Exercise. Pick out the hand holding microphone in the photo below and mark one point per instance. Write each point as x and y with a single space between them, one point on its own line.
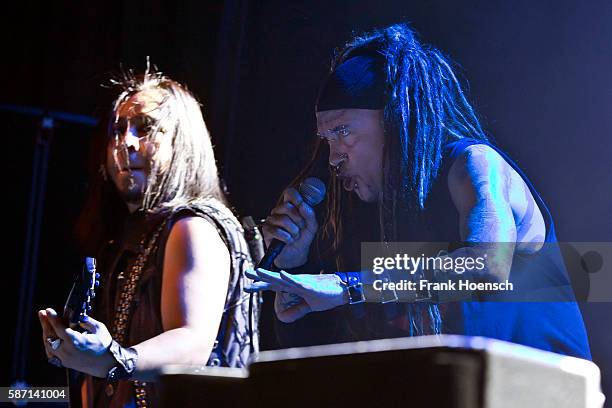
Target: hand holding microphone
292 226
289 232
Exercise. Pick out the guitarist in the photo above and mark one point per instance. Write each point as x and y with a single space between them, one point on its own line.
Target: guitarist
170 253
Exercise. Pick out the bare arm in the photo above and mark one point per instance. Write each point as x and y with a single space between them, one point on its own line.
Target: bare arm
479 184
194 286
195 280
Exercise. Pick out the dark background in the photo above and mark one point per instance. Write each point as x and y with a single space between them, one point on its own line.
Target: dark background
539 74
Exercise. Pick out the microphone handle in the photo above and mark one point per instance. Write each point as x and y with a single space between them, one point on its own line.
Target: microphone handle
275 248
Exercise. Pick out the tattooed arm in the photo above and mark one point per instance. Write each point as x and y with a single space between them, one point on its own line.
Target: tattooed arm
480 186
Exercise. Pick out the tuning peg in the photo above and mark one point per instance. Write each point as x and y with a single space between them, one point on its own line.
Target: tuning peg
97 283
92 293
89 308
97 276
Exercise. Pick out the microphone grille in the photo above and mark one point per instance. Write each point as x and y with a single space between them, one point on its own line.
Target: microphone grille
313 191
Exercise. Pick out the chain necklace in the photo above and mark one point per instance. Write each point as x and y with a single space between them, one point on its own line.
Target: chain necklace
126 301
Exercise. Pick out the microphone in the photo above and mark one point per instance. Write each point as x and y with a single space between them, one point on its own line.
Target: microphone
313 191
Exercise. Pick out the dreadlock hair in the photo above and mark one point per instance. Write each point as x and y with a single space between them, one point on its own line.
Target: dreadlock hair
425 109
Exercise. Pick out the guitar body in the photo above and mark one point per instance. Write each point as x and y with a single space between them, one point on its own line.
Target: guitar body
77 307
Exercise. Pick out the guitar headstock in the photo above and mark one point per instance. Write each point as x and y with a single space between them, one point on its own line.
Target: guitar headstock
83 291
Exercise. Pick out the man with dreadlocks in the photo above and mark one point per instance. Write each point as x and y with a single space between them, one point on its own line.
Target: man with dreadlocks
398 132
171 253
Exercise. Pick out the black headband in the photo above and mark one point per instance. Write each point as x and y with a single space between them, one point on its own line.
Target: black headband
357 83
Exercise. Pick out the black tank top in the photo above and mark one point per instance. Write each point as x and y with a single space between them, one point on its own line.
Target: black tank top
555 326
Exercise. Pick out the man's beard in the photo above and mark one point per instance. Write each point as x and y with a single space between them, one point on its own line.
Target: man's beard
133 190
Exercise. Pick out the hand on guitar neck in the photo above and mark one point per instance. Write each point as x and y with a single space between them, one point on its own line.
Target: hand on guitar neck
76 340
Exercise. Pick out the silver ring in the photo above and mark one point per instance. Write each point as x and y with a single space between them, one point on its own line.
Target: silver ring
54 343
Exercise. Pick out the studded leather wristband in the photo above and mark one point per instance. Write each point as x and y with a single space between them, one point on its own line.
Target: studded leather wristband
126 362
353 286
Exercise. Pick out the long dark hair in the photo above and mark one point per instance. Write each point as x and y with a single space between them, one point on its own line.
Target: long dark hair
189 176
425 109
